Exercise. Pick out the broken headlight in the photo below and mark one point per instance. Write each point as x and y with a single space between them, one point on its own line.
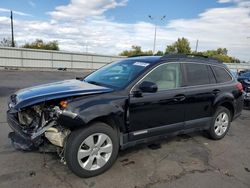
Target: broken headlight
27 116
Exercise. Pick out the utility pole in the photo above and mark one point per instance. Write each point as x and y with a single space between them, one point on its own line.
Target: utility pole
248 38
155 22
196 47
12 32
86 46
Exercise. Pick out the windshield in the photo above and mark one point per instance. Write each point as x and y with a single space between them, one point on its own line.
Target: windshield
118 74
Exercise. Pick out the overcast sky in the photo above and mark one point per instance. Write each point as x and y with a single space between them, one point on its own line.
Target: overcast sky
111 26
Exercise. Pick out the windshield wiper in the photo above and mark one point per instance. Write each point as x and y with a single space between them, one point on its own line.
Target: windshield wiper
80 78
94 82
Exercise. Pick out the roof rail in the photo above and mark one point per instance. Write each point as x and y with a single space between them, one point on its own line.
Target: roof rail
190 55
177 55
139 55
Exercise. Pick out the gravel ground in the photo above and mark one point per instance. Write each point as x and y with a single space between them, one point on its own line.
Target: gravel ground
184 161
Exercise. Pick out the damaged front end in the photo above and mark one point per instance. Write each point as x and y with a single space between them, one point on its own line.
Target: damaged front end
42 116
36 126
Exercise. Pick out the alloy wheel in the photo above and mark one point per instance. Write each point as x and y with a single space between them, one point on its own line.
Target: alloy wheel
95 151
221 124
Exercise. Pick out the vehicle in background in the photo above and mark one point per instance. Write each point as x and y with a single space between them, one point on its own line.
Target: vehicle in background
246 93
243 71
244 76
244 79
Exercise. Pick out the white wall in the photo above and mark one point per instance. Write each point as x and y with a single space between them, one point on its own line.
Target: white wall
32 58
238 66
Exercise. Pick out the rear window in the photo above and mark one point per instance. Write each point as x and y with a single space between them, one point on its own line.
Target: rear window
221 74
197 74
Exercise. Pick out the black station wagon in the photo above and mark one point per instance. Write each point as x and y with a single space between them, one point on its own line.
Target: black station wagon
128 102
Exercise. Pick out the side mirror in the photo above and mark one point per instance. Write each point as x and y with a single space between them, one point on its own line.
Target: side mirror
148 87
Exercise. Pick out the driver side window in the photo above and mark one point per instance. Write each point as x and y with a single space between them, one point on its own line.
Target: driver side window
166 76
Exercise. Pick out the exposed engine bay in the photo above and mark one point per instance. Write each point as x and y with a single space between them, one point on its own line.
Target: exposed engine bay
40 126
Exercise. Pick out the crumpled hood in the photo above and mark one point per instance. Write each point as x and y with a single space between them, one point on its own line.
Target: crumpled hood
56 90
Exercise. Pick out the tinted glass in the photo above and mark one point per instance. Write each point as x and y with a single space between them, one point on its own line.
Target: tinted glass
211 75
117 74
166 76
221 74
197 74
234 73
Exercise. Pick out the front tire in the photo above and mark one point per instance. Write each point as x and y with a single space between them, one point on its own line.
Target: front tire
220 123
92 150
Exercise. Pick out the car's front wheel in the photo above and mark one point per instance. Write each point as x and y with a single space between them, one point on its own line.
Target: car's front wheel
92 150
220 123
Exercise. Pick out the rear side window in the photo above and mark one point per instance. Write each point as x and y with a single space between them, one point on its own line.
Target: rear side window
221 74
197 74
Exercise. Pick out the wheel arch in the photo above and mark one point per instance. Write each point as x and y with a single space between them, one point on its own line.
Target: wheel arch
228 105
78 122
227 101
111 121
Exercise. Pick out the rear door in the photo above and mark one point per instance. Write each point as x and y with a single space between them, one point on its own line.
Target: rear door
200 90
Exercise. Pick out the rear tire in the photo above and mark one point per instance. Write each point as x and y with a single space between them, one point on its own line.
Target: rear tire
220 123
92 150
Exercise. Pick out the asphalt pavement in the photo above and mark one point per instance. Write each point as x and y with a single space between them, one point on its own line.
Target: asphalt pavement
190 160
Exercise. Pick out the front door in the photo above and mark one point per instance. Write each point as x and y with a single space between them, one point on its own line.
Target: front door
151 114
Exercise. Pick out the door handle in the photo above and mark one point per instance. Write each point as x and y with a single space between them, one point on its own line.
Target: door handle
216 91
179 98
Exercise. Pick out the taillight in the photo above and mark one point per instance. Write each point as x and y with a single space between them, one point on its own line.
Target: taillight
239 87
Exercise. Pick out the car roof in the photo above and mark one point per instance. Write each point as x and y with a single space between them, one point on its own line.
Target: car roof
148 59
177 57
191 57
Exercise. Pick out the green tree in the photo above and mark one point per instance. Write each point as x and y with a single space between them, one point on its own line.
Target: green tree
170 49
222 51
7 42
40 44
160 53
135 51
182 46
219 54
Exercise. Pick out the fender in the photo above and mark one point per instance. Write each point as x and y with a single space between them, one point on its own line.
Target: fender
225 98
81 112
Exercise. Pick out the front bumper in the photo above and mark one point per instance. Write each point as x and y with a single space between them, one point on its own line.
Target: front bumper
20 139
15 126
